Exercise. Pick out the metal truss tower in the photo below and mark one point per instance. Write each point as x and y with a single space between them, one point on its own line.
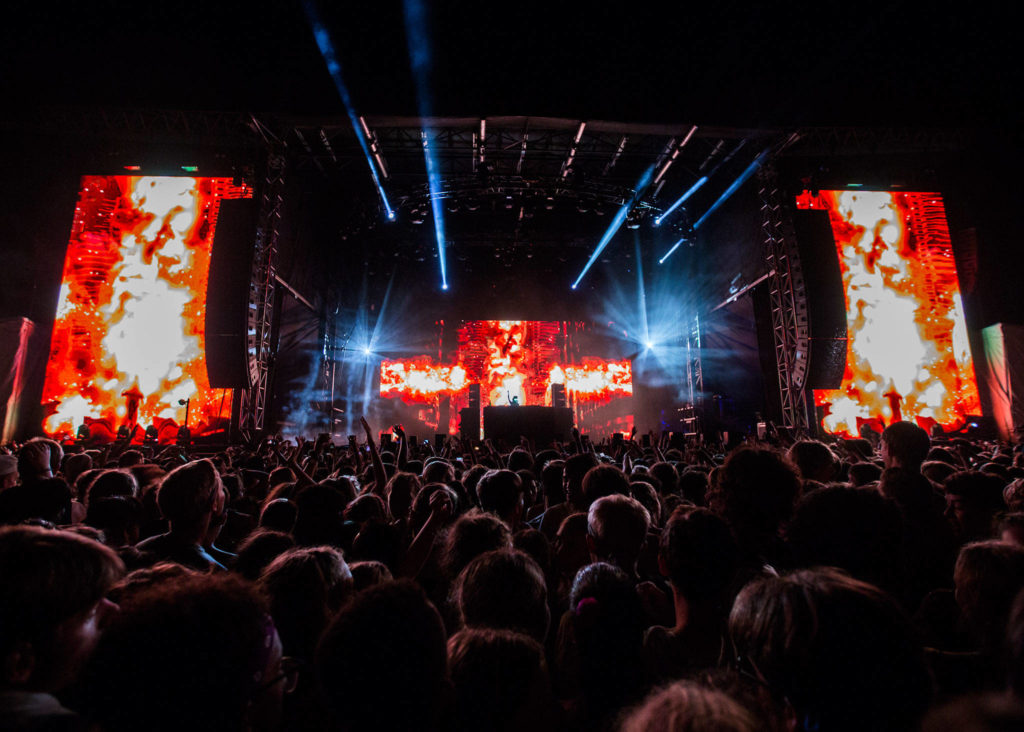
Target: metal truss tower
787 299
260 342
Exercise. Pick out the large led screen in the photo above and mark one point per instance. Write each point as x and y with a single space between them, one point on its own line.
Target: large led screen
510 360
128 347
908 355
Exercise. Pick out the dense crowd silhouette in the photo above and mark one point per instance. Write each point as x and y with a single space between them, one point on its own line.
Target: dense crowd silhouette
869 584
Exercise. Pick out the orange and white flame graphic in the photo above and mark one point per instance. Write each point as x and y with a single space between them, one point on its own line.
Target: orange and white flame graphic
513 364
908 356
130 319
419 379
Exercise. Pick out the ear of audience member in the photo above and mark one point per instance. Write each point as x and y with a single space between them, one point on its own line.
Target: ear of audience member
504 589
305 587
500 681
52 611
382 662
685 706
839 650
192 652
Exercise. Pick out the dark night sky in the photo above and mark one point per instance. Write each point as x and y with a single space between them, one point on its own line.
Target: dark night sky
722 62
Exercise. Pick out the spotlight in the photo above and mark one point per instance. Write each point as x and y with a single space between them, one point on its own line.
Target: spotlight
391 215
649 344
367 351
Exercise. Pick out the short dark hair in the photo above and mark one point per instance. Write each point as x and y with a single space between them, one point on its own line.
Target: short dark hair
700 554
504 589
186 493
390 637
908 443
183 653
791 631
48 576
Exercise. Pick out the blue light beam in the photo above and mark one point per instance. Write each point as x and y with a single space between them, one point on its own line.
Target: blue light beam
323 42
682 199
416 31
744 177
672 250
616 223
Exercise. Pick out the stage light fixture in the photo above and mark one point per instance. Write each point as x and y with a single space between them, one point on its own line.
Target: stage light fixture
681 200
367 351
326 46
672 250
617 222
743 178
649 344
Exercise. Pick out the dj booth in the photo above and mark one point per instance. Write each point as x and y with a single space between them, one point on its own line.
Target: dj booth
540 424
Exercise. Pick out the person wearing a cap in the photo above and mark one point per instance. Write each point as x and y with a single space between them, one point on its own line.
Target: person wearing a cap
8 472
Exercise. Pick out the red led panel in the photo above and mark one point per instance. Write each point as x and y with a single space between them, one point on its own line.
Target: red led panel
129 341
908 355
508 358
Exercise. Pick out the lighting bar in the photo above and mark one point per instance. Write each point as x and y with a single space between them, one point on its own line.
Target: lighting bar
675 154
672 250
416 27
616 223
374 147
572 150
744 177
323 42
682 199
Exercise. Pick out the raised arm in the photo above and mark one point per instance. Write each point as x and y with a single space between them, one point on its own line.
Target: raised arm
380 477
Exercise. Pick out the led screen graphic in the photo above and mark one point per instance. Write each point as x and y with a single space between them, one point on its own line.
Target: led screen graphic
908 355
129 338
509 359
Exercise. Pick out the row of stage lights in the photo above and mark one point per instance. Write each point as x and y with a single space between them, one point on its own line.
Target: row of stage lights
415 13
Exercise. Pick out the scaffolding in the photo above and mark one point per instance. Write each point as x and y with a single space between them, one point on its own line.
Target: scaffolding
260 342
788 301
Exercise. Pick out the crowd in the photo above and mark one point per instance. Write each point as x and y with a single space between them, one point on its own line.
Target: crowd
294 585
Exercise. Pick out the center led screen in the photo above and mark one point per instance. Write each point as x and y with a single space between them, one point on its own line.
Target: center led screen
510 360
128 346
